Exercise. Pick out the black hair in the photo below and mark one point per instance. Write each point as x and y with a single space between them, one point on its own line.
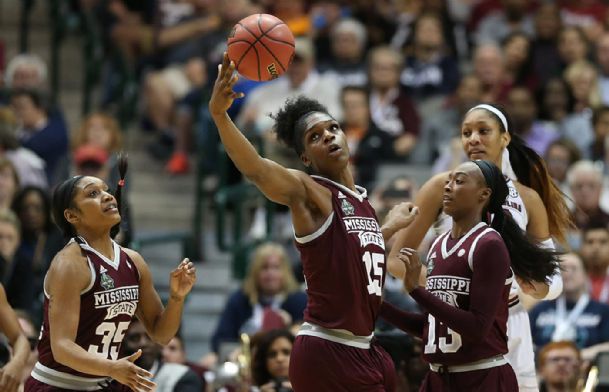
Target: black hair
39 100
260 372
63 198
598 113
595 223
46 204
531 171
528 261
354 88
541 98
289 114
526 68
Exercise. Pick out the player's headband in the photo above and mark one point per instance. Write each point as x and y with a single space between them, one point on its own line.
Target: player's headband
493 110
487 171
306 122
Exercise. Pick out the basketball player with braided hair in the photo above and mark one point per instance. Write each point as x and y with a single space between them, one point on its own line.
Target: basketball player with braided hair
93 289
468 283
534 202
341 243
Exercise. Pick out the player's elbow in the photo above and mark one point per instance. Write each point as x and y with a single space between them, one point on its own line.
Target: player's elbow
60 351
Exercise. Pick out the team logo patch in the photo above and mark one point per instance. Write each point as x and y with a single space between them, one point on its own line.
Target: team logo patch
430 263
461 252
105 280
341 195
513 193
347 207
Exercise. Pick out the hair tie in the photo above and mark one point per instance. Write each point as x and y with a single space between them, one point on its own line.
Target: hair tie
121 182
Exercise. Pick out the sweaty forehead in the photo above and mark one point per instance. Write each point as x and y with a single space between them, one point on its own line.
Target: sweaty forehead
479 115
89 181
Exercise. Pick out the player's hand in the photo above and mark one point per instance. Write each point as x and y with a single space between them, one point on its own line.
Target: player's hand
182 279
223 95
399 217
131 375
537 290
10 377
411 261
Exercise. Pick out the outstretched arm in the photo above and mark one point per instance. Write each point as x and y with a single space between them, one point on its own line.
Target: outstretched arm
491 266
10 374
279 184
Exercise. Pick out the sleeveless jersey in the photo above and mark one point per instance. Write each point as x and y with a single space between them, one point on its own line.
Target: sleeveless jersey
106 309
515 206
450 264
344 264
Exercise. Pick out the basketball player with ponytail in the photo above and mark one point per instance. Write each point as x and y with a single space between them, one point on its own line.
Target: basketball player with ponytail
468 283
92 290
534 202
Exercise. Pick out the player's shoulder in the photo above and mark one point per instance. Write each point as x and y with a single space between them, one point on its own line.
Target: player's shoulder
135 257
529 196
71 253
487 236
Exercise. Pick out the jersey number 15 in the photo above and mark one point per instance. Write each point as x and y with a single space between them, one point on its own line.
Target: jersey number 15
374 272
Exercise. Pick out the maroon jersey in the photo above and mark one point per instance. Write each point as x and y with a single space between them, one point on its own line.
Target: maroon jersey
106 309
470 273
344 264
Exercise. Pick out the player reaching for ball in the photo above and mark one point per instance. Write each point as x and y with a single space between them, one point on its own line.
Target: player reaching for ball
469 277
339 238
92 290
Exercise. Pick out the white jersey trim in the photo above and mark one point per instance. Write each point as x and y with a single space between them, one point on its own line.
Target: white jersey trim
308 238
363 193
59 379
335 335
470 256
117 253
446 254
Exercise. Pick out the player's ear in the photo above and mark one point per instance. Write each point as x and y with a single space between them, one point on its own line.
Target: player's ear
305 160
70 216
485 194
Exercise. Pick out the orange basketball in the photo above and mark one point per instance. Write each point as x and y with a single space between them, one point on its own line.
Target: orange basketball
262 47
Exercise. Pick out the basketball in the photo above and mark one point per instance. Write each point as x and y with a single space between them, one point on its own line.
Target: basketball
261 46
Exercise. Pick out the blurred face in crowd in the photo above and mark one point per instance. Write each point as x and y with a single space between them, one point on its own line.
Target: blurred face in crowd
355 108
385 69
9 240
595 249
516 51
98 133
560 368
8 186
601 126
299 70
515 9
582 83
522 109
28 115
32 213
586 189
488 64
557 160
572 45
136 338
555 97
547 21
469 91
270 277
346 46
573 274
173 352
278 358
602 53
428 34
26 76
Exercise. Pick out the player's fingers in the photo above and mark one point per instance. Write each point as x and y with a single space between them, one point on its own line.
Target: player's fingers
414 211
235 95
145 384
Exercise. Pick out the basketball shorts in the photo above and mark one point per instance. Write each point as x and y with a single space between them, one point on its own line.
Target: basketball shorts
520 349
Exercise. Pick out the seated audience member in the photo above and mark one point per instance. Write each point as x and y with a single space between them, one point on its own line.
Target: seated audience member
9 183
19 287
600 145
31 169
175 352
595 254
40 242
44 134
560 155
31 333
558 365
269 298
573 316
26 70
169 377
271 361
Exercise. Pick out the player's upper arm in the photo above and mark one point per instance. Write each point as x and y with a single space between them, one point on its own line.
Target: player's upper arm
149 306
281 185
538 227
68 277
9 325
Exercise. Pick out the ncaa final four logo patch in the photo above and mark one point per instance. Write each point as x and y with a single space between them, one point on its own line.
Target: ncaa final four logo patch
347 208
105 280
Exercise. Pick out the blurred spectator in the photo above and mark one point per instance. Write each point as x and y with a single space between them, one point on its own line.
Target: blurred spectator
589 15
582 78
9 183
546 60
392 110
602 61
29 166
271 361
600 145
489 66
169 377
572 45
45 135
556 101
522 109
560 155
31 333
269 298
519 70
595 254
347 64
368 146
559 367
440 139
497 25
40 242
586 184
430 70
175 352
18 288
26 71
325 14
573 316
293 13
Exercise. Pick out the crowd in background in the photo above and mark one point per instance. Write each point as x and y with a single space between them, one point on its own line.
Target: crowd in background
398 74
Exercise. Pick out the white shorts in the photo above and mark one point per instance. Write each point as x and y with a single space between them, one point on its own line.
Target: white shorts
520 349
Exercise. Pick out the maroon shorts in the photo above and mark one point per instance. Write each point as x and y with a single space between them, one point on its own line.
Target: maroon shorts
320 365
33 385
497 379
